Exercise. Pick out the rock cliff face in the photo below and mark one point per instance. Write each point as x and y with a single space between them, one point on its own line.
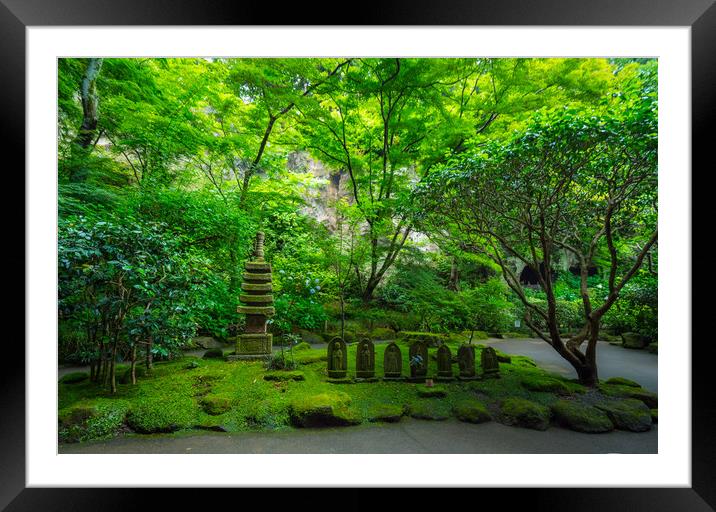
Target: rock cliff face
331 185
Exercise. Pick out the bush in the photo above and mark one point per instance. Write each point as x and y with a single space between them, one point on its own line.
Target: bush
74 377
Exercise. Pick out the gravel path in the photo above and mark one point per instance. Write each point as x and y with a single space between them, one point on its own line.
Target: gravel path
408 436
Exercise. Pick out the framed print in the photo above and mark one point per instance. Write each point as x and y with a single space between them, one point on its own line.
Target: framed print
214 46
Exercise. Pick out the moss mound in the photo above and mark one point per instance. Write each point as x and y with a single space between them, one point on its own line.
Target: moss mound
431 392
214 353
74 377
650 399
630 414
428 411
385 413
471 411
621 381
302 346
523 413
581 417
215 405
285 376
126 377
323 410
155 417
654 415
97 420
545 384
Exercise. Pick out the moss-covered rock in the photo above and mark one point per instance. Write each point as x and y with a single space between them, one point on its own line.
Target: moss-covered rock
618 391
215 405
621 381
323 410
214 353
431 392
74 377
523 413
388 413
544 384
285 375
428 411
654 415
300 347
629 414
581 417
471 411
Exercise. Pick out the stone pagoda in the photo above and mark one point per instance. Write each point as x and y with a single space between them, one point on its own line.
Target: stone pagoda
257 305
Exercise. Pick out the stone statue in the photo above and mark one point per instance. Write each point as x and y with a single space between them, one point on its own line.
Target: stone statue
392 362
365 359
444 362
466 362
337 358
489 363
418 354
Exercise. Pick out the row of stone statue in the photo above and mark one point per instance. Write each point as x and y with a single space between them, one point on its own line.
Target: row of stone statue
418 361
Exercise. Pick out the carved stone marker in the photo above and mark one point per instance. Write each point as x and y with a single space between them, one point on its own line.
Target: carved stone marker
337 358
392 362
418 355
444 362
365 359
255 342
489 363
466 362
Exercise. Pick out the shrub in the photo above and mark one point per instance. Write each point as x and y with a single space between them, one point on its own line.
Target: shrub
74 377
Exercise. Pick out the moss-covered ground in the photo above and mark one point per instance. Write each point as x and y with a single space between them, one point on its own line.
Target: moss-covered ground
212 394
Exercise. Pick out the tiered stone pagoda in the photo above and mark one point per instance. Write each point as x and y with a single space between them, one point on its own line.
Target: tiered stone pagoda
257 305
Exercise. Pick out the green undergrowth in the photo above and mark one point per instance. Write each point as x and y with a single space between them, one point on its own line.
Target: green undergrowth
212 394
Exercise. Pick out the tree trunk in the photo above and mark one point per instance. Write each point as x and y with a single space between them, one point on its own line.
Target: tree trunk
149 362
587 374
90 117
343 318
134 364
454 283
113 368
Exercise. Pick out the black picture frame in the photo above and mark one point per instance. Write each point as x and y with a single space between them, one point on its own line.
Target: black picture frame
700 15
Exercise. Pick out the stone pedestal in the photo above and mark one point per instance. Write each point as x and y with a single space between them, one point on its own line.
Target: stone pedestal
257 305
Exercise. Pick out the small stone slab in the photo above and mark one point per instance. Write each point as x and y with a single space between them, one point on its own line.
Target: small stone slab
257 287
257 265
254 277
256 310
250 299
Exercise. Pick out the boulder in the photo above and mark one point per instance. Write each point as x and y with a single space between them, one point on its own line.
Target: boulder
581 417
207 342
388 413
544 384
471 411
620 391
428 411
523 413
629 414
621 381
323 410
